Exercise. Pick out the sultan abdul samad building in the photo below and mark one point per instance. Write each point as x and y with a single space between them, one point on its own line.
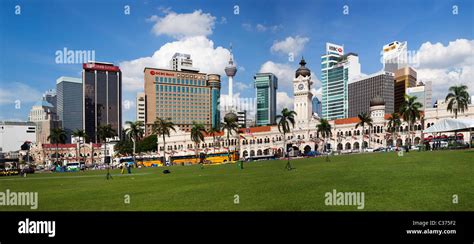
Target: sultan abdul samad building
267 140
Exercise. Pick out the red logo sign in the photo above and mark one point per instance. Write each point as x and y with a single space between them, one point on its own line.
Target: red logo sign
162 73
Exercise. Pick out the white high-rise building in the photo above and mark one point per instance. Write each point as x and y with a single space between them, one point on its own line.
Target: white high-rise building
182 62
337 69
394 56
14 134
423 94
141 107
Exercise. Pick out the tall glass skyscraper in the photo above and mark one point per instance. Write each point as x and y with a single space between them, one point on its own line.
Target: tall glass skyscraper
317 106
266 85
215 84
69 103
336 70
102 89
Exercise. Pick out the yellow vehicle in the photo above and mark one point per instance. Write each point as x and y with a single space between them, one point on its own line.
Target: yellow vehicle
150 163
212 158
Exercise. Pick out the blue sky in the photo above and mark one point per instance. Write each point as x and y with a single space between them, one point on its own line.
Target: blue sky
28 41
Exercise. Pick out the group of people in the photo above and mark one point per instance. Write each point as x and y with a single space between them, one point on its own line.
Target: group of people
126 166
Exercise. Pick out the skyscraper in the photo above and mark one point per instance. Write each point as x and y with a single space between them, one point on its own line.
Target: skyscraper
182 62
102 98
394 56
214 81
182 96
242 119
141 107
44 116
266 85
317 108
404 78
363 90
422 92
69 104
51 97
337 70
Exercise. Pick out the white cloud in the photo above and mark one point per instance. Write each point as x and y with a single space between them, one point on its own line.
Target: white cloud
317 93
448 65
223 20
11 92
437 56
261 27
247 26
291 44
284 72
241 86
284 101
184 25
206 57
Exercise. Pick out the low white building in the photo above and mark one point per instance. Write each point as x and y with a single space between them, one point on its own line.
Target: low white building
268 140
14 134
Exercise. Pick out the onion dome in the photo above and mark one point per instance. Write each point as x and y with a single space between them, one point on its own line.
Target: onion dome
377 101
230 117
302 70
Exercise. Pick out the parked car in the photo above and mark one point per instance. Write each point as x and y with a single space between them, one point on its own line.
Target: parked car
416 148
369 149
380 149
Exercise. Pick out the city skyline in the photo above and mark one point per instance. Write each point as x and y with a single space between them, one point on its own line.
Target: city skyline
261 43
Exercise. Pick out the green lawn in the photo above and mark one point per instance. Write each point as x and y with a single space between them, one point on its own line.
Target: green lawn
417 181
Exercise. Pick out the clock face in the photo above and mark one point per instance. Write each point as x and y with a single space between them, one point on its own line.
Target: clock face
300 86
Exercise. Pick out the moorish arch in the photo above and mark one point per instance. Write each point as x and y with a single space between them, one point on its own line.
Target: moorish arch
356 146
399 142
348 146
307 149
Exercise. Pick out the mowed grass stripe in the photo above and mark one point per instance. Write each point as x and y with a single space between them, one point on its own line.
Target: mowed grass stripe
418 181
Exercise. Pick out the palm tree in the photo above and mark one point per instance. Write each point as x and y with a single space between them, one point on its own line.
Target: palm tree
394 123
286 118
324 129
80 134
364 119
230 125
104 132
458 99
57 136
163 127
197 136
134 132
213 131
410 112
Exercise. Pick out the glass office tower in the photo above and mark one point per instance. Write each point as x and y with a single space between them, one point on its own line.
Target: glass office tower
266 85
102 98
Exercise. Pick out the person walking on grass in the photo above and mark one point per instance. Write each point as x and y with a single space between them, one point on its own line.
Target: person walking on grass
123 168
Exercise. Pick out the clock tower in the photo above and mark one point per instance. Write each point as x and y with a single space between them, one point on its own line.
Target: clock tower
302 94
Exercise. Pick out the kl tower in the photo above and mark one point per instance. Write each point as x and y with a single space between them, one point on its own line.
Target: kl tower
230 71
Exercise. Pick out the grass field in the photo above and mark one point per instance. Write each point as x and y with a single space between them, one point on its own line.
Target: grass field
417 181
